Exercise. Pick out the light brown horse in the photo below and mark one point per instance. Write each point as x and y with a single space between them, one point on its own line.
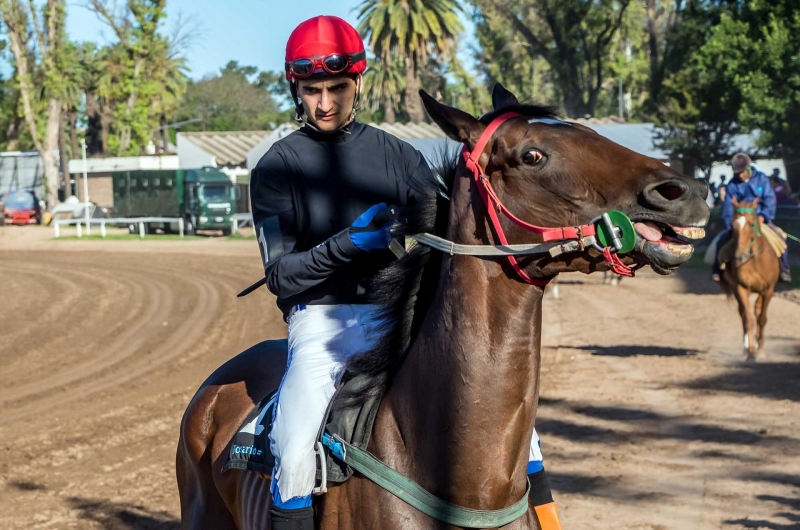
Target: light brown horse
458 411
754 268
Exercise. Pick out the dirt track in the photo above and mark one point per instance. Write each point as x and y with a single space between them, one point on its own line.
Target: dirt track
648 418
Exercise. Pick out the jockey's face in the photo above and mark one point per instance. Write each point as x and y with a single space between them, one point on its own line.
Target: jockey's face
746 174
328 102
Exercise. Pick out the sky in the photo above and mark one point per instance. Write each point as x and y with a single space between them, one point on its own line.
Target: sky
252 32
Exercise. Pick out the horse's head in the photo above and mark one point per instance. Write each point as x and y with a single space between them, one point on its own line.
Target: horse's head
745 221
554 173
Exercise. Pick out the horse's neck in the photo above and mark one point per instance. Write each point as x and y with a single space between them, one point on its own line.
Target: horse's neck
463 404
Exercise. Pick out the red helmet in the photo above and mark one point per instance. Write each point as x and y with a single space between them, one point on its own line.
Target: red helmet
324 45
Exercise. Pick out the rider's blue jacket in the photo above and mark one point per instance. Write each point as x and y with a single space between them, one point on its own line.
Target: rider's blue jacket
758 186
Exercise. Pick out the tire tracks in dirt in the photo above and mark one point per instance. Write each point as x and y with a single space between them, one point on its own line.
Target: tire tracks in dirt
126 354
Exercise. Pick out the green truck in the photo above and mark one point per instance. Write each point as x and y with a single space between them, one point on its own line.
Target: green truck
204 198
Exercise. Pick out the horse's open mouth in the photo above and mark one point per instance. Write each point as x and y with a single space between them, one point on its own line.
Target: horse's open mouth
665 246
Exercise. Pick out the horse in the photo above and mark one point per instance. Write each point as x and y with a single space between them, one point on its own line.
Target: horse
754 268
459 364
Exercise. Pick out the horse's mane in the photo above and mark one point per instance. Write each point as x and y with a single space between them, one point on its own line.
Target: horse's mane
526 109
406 287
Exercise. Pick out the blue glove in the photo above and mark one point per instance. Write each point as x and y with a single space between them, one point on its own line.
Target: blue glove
371 231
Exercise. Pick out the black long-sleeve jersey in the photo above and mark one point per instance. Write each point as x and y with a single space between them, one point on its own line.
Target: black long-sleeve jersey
308 189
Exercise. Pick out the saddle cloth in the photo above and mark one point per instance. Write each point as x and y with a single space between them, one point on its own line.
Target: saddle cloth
351 422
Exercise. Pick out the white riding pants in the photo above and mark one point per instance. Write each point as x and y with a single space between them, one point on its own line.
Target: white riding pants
321 340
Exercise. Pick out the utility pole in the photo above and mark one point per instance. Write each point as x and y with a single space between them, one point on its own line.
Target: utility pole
621 101
85 190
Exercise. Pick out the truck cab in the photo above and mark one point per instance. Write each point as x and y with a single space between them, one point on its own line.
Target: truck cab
210 200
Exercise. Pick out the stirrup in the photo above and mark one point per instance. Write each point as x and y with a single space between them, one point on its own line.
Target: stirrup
323 467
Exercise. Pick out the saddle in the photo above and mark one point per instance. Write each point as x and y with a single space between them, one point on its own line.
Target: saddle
350 422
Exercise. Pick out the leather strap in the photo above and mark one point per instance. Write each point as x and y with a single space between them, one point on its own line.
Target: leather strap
494 205
412 493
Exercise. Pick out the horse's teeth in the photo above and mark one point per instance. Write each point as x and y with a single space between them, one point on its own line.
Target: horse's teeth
691 232
680 250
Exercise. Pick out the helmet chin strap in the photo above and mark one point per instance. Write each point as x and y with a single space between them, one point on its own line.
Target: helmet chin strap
301 118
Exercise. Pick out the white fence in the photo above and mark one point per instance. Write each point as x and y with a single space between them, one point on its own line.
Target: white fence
114 221
240 220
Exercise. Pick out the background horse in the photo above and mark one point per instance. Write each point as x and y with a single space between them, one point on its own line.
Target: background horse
459 365
754 268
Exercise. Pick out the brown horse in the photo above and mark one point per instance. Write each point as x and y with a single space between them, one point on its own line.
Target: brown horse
458 411
754 268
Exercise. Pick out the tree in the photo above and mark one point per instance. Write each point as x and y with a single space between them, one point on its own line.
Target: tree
505 57
49 39
698 107
231 101
574 37
416 30
137 31
762 58
384 83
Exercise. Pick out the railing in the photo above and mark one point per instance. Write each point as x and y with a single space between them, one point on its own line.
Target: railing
240 220
114 221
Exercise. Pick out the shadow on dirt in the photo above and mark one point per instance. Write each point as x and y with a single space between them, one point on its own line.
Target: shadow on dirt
24 485
767 380
776 478
632 350
697 281
647 426
122 516
793 504
757 523
618 413
597 487
722 455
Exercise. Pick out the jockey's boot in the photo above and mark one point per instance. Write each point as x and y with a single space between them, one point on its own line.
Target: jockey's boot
541 498
298 519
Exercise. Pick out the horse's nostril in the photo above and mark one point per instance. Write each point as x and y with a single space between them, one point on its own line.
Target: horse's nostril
669 191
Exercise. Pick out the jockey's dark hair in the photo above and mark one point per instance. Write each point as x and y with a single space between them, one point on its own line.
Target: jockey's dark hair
406 287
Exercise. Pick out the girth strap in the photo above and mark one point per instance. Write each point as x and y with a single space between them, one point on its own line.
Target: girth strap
412 493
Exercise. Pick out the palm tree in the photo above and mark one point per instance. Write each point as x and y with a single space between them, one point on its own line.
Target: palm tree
414 29
169 70
384 82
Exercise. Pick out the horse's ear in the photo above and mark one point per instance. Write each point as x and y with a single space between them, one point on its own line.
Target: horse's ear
455 123
755 202
735 202
502 98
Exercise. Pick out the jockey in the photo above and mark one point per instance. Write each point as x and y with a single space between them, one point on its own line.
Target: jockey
748 184
315 196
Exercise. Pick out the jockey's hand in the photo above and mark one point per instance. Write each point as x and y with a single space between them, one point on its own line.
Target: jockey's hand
371 231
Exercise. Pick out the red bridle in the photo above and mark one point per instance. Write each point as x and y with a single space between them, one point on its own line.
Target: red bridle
494 205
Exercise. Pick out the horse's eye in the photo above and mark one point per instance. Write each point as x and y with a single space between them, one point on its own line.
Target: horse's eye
532 157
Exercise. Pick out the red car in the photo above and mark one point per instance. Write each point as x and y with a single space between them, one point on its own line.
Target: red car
22 208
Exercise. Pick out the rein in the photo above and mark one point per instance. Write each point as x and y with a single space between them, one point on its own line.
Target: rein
611 233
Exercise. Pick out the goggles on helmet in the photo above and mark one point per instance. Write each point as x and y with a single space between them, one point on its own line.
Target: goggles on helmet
333 64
